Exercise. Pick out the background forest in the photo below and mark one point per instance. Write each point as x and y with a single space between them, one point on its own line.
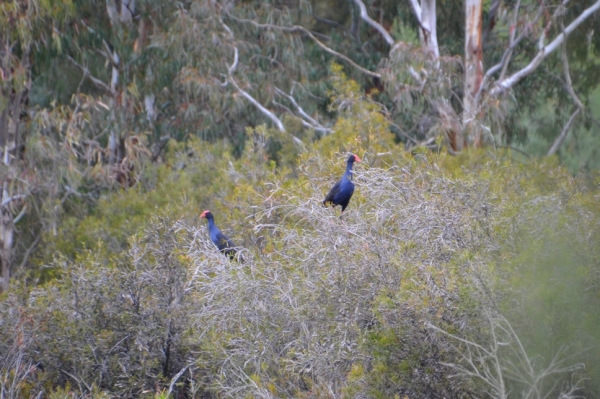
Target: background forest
467 264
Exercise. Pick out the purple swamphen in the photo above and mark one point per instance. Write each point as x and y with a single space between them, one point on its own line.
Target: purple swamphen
222 242
342 191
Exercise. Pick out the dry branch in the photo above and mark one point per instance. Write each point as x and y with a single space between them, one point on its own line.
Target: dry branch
307 120
569 87
544 51
100 84
247 95
365 17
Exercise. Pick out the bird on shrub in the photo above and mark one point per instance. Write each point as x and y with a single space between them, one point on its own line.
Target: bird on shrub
342 191
225 245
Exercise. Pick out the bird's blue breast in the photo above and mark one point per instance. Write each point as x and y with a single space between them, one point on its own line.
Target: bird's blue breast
214 235
346 190
213 232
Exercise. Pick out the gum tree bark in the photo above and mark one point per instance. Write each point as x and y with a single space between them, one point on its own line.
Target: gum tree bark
11 99
473 75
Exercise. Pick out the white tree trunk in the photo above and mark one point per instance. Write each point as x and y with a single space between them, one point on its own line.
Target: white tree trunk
9 133
6 240
428 27
427 17
473 75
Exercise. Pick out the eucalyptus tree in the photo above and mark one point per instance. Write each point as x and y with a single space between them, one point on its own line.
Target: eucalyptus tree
69 127
504 43
23 26
246 62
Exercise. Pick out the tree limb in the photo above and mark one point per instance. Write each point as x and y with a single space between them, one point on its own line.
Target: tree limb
513 31
13 198
258 105
365 16
493 10
244 93
544 52
29 251
296 29
311 121
100 84
513 43
569 87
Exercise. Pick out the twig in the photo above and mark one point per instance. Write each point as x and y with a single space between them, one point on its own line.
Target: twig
13 198
365 16
569 87
175 378
544 52
94 80
311 121
563 134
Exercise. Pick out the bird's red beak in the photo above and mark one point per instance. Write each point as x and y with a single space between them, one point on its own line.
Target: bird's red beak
356 159
203 214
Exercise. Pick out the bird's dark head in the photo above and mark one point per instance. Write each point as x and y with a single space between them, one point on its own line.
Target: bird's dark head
353 158
206 214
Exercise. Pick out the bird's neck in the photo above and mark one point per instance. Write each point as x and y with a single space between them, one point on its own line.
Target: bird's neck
348 173
211 223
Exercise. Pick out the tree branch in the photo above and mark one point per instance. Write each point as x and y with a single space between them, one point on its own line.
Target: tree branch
244 93
13 198
569 87
365 16
544 52
29 251
491 21
258 105
296 29
311 121
513 43
94 80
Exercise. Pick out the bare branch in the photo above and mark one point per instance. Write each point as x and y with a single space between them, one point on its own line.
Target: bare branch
493 10
244 93
304 123
94 80
13 198
512 44
313 123
563 134
20 215
569 87
176 377
258 105
29 251
544 51
296 29
365 16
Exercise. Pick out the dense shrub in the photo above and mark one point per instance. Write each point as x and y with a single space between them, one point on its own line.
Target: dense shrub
430 284
322 305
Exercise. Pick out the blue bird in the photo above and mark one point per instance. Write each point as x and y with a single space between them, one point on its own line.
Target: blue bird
225 245
342 191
